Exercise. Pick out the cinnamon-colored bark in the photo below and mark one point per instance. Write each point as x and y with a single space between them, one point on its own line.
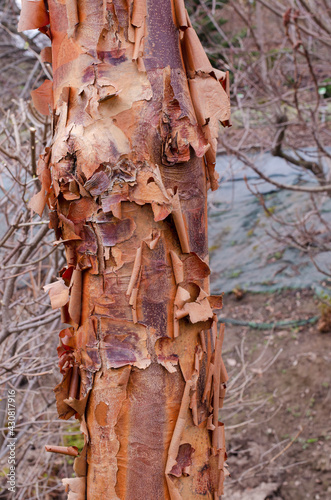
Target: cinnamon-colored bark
136 106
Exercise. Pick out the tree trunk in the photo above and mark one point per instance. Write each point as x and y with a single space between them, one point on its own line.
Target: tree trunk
136 111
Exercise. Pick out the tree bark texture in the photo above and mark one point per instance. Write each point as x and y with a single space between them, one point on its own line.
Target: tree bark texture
136 106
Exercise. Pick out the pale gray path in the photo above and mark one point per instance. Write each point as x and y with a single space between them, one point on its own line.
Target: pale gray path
242 253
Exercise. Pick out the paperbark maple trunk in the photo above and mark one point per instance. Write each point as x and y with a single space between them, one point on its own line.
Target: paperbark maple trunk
135 107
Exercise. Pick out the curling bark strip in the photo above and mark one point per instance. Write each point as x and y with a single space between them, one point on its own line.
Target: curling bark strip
136 107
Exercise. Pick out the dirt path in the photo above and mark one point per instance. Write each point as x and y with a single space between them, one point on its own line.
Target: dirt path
279 391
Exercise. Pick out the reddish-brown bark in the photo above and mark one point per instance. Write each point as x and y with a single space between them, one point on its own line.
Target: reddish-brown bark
135 107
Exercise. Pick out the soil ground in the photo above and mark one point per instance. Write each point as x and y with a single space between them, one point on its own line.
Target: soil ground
277 409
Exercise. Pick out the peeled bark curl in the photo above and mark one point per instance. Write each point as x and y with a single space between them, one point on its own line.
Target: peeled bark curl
136 107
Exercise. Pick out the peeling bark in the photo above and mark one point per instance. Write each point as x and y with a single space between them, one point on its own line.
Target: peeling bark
136 107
